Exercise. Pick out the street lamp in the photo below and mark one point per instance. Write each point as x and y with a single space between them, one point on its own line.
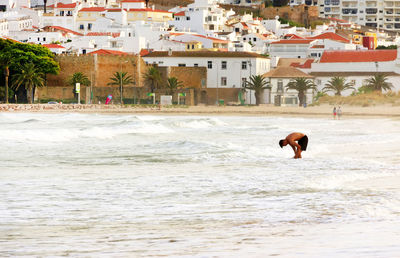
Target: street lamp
249 62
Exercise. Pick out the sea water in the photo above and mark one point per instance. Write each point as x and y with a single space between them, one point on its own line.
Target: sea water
96 185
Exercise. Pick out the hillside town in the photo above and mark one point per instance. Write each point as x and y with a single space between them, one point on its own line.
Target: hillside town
215 49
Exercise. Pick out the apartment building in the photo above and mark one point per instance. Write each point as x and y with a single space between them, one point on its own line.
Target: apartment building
381 14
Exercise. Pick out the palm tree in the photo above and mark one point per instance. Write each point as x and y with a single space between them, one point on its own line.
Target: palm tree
5 61
301 85
30 77
379 83
258 84
78 78
337 84
121 79
153 76
173 84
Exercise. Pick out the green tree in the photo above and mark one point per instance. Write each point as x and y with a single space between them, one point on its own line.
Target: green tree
21 54
78 78
378 83
121 79
337 84
301 85
5 62
257 83
30 78
172 85
153 77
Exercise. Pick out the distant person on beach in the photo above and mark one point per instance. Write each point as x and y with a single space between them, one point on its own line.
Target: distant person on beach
299 146
334 112
339 113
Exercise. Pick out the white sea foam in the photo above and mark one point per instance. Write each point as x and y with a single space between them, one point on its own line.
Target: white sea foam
123 185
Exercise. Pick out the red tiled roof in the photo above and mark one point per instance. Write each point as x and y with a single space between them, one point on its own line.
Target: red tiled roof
318 46
63 6
244 25
180 14
306 64
293 41
92 9
332 36
113 34
52 46
352 56
65 30
338 20
108 52
215 40
146 10
145 52
292 36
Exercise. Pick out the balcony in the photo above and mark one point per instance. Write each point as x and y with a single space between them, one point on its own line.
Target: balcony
371 11
349 11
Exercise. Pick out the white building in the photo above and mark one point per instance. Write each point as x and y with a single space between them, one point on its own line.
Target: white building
224 69
203 17
356 66
382 14
279 79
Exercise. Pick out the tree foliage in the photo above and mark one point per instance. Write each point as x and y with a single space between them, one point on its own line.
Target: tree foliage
337 84
301 85
257 83
29 77
378 83
173 84
78 78
153 78
14 57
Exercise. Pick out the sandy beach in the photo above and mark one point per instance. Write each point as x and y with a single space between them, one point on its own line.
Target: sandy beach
262 110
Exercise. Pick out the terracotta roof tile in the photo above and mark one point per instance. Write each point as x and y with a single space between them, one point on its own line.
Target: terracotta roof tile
108 52
64 6
353 56
182 13
286 72
205 53
113 34
64 30
332 36
293 41
52 46
92 9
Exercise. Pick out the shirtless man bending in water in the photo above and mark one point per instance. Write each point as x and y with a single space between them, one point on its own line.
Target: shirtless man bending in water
299 146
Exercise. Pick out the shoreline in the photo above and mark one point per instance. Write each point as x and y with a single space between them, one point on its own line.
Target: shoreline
378 111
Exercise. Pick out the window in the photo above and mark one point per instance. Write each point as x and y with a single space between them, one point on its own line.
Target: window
223 65
188 18
244 80
181 65
280 86
44 39
223 81
196 65
81 27
188 46
254 39
244 65
192 46
209 64
89 26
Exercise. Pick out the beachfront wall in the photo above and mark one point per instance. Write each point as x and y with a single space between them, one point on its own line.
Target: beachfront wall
99 69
